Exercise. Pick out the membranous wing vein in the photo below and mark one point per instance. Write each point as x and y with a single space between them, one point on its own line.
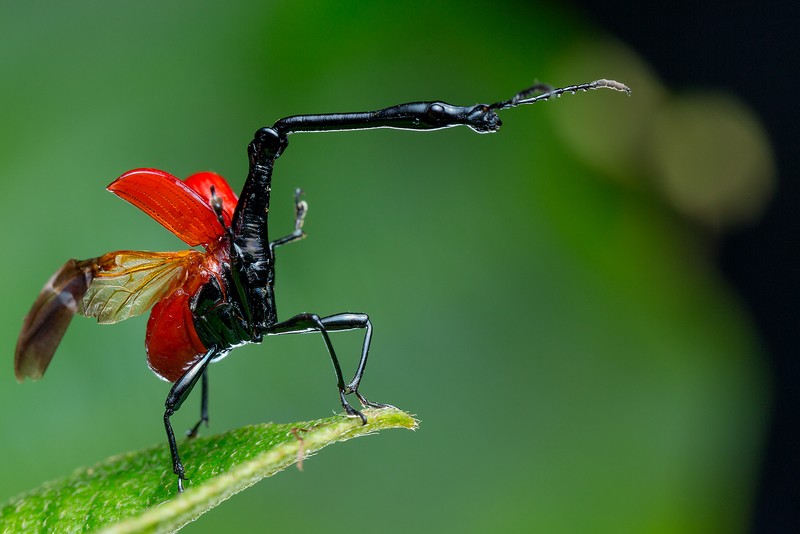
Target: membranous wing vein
128 283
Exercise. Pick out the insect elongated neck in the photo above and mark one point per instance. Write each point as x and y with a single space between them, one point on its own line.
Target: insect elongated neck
250 228
410 116
249 223
251 253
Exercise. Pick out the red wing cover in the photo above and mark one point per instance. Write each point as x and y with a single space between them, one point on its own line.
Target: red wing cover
176 206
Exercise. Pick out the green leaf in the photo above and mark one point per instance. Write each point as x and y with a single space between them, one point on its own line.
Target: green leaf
137 491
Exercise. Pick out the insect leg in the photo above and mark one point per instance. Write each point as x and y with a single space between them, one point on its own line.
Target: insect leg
192 432
352 321
300 210
306 323
179 392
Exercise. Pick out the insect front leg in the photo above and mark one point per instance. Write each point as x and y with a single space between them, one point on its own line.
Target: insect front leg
306 323
179 392
352 321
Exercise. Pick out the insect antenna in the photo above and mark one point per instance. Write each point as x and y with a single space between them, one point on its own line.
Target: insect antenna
216 205
546 92
300 210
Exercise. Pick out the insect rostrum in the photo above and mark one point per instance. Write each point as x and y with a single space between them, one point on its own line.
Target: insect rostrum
204 304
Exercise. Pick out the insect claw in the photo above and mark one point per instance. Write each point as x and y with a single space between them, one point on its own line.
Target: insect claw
351 412
181 477
355 413
192 432
369 404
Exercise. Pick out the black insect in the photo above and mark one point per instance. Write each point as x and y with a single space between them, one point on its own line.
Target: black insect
204 304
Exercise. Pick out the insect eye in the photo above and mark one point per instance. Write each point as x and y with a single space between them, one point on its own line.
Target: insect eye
436 111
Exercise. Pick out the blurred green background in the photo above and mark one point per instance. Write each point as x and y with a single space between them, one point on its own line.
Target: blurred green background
543 298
